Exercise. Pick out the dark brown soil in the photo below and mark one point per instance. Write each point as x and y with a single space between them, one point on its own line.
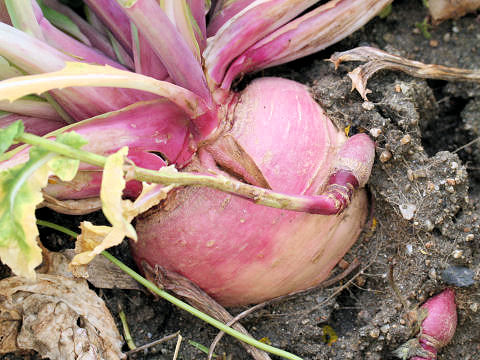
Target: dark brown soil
425 206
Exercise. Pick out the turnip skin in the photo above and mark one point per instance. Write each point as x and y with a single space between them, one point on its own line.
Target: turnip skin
240 252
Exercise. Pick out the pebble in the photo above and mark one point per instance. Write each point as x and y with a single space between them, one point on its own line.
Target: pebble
385 156
407 211
457 254
375 132
458 276
374 333
405 139
368 105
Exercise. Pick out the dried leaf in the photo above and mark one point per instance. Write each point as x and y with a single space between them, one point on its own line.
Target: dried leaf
60 318
102 273
20 193
376 60
72 207
441 10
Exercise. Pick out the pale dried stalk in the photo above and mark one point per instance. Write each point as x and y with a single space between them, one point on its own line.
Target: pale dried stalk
376 59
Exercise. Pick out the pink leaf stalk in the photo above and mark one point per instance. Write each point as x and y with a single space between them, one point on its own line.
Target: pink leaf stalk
247 27
112 15
96 38
308 34
67 44
145 59
34 125
198 9
181 64
224 11
34 56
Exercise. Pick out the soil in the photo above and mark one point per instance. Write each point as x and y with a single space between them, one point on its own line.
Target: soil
425 194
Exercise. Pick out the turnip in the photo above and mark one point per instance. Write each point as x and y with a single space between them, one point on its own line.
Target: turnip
272 135
439 325
438 321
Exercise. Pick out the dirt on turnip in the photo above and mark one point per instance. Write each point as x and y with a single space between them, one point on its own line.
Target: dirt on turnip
425 185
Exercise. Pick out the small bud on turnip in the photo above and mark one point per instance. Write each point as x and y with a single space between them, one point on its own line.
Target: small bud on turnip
437 328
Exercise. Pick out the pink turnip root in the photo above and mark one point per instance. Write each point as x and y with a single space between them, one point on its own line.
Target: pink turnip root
240 252
439 314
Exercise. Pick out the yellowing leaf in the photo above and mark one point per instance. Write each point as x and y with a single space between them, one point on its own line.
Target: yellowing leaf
20 193
94 239
111 192
151 195
329 335
81 74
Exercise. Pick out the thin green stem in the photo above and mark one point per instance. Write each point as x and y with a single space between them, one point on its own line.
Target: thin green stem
184 306
169 176
126 330
179 303
63 149
57 227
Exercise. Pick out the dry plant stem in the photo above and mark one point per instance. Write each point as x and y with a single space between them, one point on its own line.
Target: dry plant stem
199 299
376 59
71 207
153 343
395 289
177 347
230 323
353 265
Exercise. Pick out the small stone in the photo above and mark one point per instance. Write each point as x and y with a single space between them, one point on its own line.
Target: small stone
374 333
360 280
474 307
405 139
429 225
368 105
398 88
432 274
375 132
385 156
469 237
384 329
433 43
410 175
343 264
409 249
457 254
408 211
458 276
451 181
